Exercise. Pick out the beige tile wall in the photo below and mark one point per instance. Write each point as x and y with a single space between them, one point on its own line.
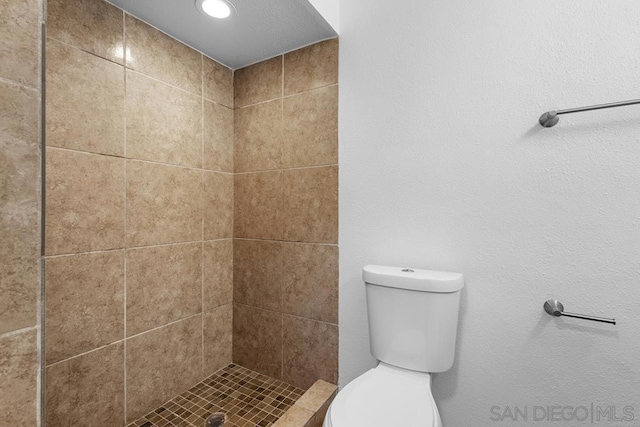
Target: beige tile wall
20 23
285 319
165 205
139 215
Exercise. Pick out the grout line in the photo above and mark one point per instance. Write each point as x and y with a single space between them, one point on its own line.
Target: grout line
289 169
336 37
286 314
266 101
282 194
41 320
233 209
281 346
131 70
282 198
282 77
73 150
75 356
218 103
211 309
217 240
288 96
282 220
48 257
17 83
292 242
74 47
165 325
202 136
138 160
18 331
134 248
233 129
282 294
126 183
313 89
202 142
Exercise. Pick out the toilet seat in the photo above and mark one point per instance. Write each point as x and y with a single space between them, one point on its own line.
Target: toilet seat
385 396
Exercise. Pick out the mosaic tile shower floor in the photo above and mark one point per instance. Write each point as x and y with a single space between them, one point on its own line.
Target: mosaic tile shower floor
249 399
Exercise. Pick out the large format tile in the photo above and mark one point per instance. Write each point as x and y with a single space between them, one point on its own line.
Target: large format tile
258 205
310 128
164 284
218 205
257 339
218 137
155 54
311 67
85 96
217 82
164 204
257 83
19 373
310 281
84 203
258 137
310 351
164 124
87 390
91 25
257 273
217 327
217 268
162 363
19 207
311 205
84 304
20 40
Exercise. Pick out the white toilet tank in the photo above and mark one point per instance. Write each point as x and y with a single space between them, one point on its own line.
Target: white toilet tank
413 316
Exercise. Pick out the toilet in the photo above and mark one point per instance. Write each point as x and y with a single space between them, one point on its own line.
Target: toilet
413 321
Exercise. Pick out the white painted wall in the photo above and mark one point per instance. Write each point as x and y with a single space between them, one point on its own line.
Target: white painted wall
443 166
330 11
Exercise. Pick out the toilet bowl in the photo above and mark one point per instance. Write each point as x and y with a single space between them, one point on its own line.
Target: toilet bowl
413 320
385 396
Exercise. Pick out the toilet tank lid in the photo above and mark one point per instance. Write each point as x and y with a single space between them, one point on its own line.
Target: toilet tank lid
413 279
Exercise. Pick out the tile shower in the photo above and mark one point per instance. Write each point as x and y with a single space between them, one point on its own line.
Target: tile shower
20 91
190 218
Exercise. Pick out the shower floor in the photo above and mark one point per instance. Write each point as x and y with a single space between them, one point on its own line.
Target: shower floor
248 399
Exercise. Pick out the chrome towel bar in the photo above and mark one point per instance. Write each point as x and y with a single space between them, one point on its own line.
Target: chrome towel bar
555 308
550 118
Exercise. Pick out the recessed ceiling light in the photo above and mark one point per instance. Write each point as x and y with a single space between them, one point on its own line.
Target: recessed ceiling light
216 8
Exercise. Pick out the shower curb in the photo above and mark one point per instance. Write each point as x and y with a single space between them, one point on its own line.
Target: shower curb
311 408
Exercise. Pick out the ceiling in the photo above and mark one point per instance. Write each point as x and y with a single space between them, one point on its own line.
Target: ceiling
259 29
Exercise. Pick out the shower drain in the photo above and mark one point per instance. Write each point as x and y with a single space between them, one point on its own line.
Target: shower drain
216 420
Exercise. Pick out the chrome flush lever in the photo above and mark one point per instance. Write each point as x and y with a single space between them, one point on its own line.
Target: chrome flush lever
555 308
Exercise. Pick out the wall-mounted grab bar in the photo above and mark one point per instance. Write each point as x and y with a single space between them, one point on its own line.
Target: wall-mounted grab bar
550 118
555 308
